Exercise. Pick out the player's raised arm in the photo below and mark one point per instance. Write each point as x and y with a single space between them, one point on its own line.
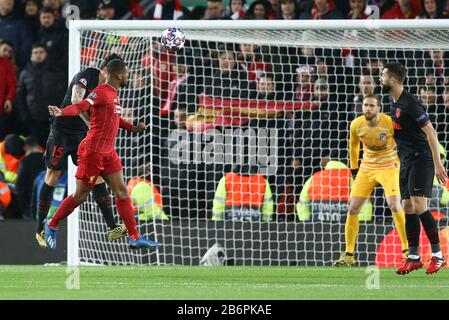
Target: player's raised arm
76 109
70 111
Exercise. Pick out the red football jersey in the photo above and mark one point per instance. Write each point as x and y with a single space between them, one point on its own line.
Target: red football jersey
105 119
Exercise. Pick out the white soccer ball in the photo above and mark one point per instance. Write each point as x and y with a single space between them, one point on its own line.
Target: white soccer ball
173 39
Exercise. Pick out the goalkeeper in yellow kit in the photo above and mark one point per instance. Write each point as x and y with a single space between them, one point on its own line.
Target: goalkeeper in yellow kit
380 165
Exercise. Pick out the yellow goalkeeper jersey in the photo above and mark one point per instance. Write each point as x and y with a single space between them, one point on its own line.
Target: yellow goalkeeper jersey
379 146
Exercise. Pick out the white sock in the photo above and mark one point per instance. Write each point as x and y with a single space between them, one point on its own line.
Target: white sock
437 254
413 257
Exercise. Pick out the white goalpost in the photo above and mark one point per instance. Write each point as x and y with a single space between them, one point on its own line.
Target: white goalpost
275 97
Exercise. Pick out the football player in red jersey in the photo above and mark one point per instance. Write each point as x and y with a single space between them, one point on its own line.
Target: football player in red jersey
97 155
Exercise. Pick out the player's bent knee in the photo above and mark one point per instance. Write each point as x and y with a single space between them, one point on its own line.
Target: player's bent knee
419 204
354 210
355 206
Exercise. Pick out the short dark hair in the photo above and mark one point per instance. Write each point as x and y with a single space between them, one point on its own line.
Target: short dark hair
39 45
14 145
397 70
371 95
116 66
107 59
46 10
8 43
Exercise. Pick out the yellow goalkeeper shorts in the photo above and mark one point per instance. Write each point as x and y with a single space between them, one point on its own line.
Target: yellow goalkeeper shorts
367 180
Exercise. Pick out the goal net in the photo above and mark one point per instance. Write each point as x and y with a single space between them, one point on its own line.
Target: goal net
238 121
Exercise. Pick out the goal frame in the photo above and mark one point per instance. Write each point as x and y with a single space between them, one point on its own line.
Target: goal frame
76 26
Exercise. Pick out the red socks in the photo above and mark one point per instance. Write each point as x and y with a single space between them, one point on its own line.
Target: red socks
65 209
125 210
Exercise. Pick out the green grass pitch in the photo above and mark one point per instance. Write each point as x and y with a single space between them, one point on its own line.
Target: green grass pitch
221 283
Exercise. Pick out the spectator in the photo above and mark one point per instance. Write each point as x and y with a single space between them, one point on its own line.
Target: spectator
13 30
229 81
216 10
325 194
146 199
40 85
428 97
236 9
403 9
438 65
11 153
106 10
29 168
8 86
429 79
430 9
5 197
7 51
305 77
358 9
53 35
259 10
167 10
365 87
289 10
265 88
31 17
250 60
243 195
321 9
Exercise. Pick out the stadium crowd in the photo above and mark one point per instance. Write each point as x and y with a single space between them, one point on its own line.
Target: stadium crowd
325 88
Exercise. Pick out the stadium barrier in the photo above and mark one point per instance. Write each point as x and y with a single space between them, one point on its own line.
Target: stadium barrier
18 245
